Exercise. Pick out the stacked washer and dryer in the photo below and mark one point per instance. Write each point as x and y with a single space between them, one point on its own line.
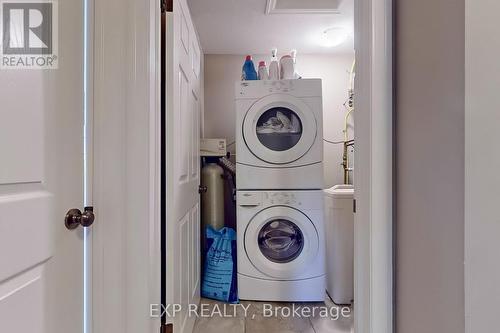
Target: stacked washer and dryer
280 207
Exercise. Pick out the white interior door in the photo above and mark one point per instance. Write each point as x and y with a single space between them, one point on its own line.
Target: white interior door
41 177
183 105
482 165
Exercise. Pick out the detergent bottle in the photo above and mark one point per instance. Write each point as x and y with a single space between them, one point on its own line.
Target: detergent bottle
263 74
287 67
249 72
293 54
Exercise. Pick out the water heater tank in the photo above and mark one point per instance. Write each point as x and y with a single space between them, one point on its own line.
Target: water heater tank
212 199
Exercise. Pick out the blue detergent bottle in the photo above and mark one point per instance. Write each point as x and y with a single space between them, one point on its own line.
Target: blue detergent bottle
249 72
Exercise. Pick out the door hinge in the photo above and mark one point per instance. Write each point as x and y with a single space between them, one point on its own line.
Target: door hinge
354 205
167 6
167 328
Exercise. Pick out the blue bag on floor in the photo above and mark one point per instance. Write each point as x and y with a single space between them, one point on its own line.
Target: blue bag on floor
219 276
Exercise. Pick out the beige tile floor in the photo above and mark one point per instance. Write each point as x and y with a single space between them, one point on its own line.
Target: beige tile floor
255 321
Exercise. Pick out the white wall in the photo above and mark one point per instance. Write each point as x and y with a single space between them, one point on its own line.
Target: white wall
430 165
482 165
221 72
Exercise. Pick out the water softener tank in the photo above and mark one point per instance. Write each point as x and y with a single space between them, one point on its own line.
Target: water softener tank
212 196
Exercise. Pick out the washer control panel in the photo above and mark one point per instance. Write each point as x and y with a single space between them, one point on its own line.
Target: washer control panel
257 200
249 199
282 198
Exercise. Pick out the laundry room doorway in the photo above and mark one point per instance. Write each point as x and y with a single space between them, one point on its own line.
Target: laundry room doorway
204 47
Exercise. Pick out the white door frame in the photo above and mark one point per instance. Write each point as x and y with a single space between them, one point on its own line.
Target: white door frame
481 180
373 178
126 245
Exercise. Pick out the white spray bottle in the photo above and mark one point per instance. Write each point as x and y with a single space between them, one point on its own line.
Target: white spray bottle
293 54
274 69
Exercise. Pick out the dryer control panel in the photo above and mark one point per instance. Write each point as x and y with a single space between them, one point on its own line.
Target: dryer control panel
297 88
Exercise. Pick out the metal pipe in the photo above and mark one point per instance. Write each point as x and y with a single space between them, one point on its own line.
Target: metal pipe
348 143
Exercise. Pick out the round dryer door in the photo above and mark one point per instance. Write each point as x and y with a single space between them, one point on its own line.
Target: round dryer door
279 129
281 242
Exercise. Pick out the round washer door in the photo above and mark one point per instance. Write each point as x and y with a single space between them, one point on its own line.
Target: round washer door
279 129
281 242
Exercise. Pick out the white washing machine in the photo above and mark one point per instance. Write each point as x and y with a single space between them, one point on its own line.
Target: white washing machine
281 246
279 134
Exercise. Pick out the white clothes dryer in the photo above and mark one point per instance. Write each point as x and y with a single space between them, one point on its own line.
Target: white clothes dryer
279 134
281 246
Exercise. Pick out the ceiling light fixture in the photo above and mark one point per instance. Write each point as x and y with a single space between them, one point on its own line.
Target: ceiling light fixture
303 7
333 37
